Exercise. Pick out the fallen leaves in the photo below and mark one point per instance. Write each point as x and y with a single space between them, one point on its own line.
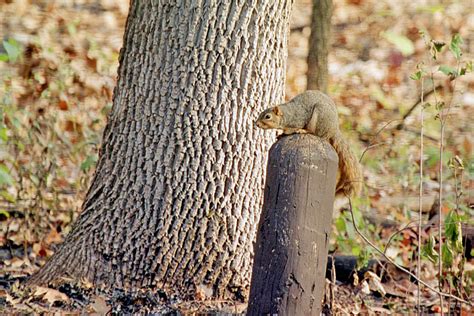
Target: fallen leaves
375 284
55 82
50 295
99 306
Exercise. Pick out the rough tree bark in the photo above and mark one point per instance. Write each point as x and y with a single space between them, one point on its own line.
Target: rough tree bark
177 191
319 43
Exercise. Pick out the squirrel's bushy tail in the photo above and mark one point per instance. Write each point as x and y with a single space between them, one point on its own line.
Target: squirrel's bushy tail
349 182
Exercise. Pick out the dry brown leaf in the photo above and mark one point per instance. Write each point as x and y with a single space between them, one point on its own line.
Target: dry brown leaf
62 105
364 287
16 262
53 237
37 248
467 145
72 126
50 295
10 299
396 289
375 284
86 284
379 310
99 306
203 292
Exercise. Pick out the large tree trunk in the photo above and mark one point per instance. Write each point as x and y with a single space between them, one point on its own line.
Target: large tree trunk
178 188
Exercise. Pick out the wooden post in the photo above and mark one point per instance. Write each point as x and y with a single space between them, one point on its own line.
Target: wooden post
289 269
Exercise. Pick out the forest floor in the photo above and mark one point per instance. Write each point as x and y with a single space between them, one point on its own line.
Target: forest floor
56 82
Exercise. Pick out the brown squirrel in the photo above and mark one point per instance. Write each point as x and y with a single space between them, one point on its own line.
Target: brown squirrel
315 113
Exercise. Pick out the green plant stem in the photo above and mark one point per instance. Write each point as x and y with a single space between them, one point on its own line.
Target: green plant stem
440 181
440 207
420 200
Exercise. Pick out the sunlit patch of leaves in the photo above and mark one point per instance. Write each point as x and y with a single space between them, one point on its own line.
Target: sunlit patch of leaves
54 97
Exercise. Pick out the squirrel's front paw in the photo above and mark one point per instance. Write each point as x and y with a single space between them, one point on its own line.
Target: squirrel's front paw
301 131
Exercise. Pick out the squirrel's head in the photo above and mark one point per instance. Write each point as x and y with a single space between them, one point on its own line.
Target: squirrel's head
270 118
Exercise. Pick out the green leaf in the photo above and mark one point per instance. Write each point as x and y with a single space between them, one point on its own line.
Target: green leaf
449 279
90 161
13 49
71 28
439 105
340 225
446 255
7 196
416 76
5 177
453 231
450 226
4 57
438 45
4 134
429 251
427 105
449 71
4 213
401 42
356 250
363 258
431 8
20 145
455 46
467 68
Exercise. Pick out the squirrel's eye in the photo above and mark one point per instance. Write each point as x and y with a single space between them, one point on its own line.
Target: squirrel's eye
268 116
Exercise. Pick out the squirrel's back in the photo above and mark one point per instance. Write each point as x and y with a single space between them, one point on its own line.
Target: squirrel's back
316 110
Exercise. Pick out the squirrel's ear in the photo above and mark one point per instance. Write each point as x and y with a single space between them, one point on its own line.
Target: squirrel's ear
277 111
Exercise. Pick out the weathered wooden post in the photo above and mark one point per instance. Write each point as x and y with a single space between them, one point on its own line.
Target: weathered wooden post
291 251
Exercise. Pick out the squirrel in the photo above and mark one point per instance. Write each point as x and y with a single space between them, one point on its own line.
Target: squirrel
313 112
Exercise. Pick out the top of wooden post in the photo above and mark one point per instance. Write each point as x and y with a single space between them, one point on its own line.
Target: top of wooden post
305 148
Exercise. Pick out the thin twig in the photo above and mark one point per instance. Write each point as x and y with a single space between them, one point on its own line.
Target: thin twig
372 145
440 179
401 125
333 282
458 195
443 116
440 208
407 226
420 201
399 266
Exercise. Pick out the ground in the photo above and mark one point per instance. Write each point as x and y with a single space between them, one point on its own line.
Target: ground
57 73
